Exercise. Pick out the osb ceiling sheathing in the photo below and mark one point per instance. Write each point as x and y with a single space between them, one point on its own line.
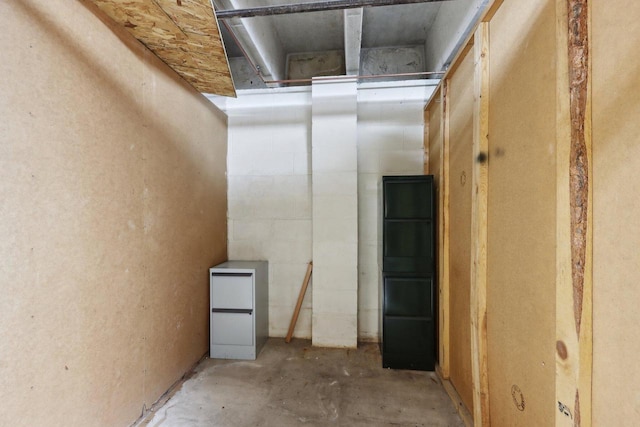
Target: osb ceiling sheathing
182 33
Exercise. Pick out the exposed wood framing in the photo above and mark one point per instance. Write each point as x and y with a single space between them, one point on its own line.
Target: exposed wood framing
491 10
443 217
486 16
460 56
183 34
574 343
478 295
579 172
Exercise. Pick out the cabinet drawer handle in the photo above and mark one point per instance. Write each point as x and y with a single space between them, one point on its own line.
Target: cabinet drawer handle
232 310
233 274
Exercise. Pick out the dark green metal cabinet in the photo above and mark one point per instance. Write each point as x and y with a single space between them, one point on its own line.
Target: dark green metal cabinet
408 304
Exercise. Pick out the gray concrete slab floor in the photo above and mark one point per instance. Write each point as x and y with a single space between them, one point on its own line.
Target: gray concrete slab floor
297 384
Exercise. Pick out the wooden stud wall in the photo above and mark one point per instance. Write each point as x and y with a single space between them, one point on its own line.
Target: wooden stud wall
531 234
574 229
479 214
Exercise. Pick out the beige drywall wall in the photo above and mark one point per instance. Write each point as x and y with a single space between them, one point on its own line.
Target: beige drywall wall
616 212
460 170
112 207
521 258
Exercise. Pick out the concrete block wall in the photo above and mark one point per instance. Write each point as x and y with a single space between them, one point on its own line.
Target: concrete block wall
390 142
269 214
271 191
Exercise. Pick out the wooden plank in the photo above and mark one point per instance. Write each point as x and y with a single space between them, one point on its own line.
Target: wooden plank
425 142
444 307
478 293
183 34
190 52
191 16
491 10
574 335
296 312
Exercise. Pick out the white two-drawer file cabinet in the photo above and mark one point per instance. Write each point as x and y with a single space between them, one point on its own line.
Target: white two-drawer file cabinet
239 309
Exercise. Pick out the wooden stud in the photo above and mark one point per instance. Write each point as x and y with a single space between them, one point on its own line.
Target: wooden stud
574 282
491 10
296 312
478 294
425 142
443 243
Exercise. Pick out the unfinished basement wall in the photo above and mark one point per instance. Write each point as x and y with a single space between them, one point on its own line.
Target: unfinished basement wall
113 206
616 259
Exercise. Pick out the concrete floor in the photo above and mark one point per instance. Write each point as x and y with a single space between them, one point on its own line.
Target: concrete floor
297 384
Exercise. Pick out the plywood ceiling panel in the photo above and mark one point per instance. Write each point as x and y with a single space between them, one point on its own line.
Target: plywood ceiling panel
183 33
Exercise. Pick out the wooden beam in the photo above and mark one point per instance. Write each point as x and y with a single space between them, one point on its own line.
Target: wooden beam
574 282
319 6
443 228
478 294
491 10
425 142
184 35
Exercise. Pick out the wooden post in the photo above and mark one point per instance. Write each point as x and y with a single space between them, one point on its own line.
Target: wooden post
574 287
478 294
443 241
425 141
296 312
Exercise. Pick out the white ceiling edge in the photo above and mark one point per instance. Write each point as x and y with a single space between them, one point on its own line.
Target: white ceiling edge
414 90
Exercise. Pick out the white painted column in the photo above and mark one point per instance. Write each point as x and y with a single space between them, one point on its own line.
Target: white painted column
352 40
335 213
